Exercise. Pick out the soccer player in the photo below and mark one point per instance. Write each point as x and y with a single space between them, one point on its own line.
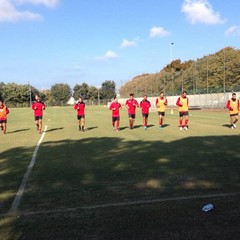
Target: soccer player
115 107
131 105
183 104
3 116
80 107
161 103
233 106
38 106
145 105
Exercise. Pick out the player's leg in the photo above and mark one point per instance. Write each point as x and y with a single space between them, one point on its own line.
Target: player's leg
37 123
232 121
133 119
162 114
113 122
235 120
117 123
186 122
79 122
146 121
180 120
130 121
83 123
1 125
40 125
4 127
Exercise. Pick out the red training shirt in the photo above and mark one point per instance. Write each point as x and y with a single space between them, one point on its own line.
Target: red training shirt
131 105
145 105
80 107
115 107
38 107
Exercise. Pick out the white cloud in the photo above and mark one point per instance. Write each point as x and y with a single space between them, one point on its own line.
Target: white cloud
126 43
201 11
9 13
111 54
233 31
108 55
158 32
47 3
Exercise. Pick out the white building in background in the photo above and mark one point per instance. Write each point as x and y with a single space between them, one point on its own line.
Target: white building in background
71 101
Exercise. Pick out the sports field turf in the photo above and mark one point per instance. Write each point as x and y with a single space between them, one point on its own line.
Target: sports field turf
132 184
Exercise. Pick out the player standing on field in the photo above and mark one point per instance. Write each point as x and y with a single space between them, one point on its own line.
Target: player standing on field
145 105
131 105
80 107
161 103
3 116
233 106
38 106
183 104
115 107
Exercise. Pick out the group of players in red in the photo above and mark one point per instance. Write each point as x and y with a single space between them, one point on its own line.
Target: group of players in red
233 105
145 105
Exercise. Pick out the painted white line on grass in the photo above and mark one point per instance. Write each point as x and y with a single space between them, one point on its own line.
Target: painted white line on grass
129 203
21 189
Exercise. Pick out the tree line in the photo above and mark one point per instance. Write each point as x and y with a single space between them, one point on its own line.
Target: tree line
218 72
59 94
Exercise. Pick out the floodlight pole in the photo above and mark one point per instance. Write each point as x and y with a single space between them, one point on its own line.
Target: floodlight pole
30 94
224 73
171 46
98 97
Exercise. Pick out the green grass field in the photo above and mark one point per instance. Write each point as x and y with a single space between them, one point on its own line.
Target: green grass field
132 184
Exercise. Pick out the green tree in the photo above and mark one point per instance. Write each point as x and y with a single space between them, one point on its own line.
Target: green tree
93 94
108 90
14 93
81 90
1 89
61 93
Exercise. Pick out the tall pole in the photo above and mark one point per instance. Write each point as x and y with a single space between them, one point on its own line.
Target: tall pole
207 74
98 97
224 73
171 46
30 94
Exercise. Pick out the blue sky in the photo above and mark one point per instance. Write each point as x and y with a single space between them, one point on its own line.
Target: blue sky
74 41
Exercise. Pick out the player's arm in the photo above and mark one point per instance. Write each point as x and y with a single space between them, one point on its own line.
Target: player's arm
228 105
178 103
149 104
34 106
43 106
166 102
7 110
112 107
136 103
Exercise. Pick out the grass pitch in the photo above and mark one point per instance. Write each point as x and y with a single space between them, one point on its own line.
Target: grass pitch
132 184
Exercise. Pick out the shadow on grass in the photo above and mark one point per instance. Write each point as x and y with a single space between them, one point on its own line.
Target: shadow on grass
19 130
55 129
227 125
91 128
91 171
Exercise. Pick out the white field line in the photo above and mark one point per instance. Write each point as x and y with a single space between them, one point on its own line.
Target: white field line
21 189
125 204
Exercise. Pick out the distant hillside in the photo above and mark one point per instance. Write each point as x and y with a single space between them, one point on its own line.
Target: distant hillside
213 73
